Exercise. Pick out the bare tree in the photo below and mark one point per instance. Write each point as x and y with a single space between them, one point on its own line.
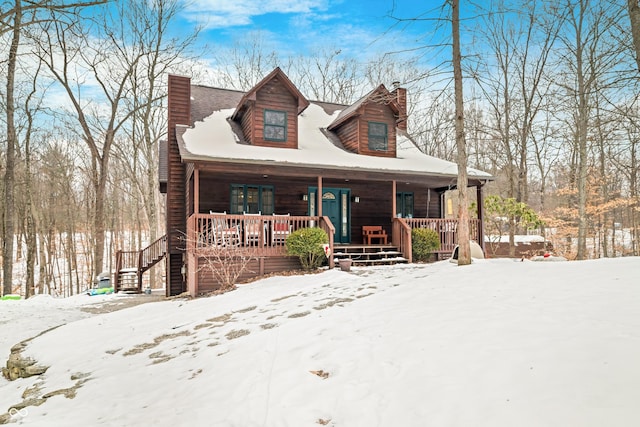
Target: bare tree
515 85
246 62
14 19
12 141
589 54
634 16
29 214
148 24
111 52
464 248
328 76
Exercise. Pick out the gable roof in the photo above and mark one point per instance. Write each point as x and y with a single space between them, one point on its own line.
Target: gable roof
214 137
377 94
303 103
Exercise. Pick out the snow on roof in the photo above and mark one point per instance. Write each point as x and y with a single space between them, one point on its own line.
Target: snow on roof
214 139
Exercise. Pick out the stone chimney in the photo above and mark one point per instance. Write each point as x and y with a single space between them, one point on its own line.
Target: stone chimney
400 97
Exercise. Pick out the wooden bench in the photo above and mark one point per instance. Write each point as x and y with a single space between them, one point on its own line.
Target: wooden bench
371 232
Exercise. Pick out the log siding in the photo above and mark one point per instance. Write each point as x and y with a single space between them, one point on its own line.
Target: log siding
275 96
179 112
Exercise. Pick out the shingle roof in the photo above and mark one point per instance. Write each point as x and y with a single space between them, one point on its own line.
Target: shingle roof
213 136
354 108
277 72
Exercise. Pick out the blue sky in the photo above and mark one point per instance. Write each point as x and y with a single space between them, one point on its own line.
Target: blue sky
358 27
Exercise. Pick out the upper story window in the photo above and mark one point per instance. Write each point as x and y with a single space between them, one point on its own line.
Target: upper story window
275 125
378 140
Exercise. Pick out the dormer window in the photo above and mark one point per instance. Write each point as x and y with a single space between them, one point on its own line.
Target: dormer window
275 125
378 139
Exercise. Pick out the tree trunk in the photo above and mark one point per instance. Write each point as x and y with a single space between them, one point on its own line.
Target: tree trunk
634 16
30 213
583 125
464 250
12 142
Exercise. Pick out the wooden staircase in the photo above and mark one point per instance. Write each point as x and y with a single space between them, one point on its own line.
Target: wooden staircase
131 265
361 255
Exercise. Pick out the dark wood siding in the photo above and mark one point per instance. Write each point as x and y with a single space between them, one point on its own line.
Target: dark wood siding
354 133
246 123
374 112
275 96
255 269
434 205
189 188
178 113
282 263
374 208
426 202
348 134
215 192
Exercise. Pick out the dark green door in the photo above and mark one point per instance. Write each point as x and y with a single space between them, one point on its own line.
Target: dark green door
331 208
335 206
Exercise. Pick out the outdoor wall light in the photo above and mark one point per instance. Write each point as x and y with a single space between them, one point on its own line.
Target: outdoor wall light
304 197
355 199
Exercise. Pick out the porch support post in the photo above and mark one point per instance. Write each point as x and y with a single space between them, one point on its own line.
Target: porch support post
196 190
480 203
393 199
319 196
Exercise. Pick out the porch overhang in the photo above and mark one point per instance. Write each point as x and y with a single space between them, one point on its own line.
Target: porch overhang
440 182
320 158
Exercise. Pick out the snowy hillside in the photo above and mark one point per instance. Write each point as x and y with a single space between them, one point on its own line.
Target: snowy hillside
497 343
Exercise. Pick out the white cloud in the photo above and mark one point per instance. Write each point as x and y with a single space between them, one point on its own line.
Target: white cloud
224 13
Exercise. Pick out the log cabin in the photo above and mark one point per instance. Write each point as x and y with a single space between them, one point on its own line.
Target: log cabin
242 170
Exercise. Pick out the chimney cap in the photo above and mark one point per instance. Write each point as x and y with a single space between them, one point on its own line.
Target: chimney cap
396 84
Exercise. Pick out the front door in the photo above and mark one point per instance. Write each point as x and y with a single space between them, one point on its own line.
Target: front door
336 206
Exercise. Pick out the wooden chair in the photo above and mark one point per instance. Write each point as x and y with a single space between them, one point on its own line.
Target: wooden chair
280 228
374 232
224 234
254 229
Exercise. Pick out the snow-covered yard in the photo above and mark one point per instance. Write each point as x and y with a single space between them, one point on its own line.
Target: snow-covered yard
497 343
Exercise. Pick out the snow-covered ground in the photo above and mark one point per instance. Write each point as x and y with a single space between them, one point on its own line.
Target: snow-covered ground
497 343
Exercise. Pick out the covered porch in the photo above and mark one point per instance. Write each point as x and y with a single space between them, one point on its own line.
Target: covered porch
239 211
260 239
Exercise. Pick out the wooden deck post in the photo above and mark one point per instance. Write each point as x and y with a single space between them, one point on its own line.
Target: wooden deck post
393 199
196 190
480 203
319 195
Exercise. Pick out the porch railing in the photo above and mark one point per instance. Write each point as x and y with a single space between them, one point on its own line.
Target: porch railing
401 237
447 229
262 235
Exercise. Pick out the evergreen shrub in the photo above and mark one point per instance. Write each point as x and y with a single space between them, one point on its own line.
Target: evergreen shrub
424 241
307 245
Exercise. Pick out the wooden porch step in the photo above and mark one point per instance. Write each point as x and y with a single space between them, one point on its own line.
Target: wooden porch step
130 265
128 281
369 254
380 261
